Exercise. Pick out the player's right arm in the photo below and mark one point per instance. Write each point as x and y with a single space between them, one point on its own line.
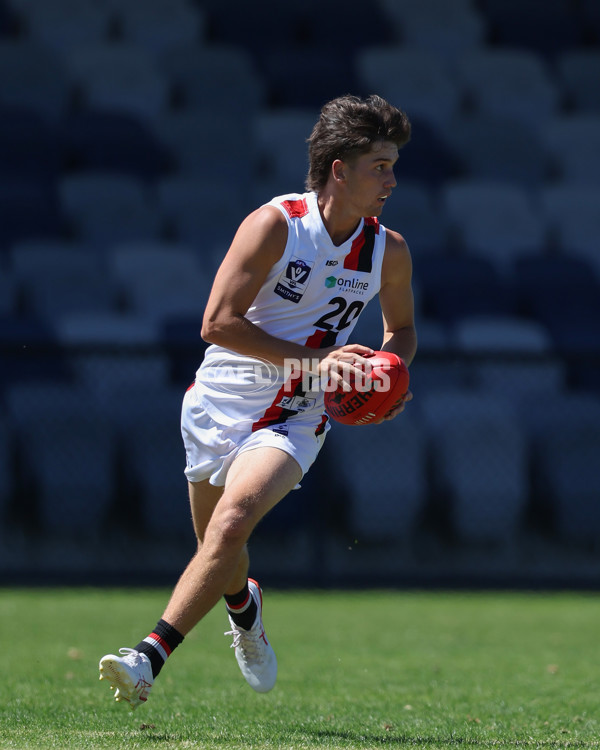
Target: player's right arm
258 244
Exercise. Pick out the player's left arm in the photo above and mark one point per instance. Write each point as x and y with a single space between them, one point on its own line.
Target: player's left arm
397 300
397 305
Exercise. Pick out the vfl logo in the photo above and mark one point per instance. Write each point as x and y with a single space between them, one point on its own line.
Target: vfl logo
292 283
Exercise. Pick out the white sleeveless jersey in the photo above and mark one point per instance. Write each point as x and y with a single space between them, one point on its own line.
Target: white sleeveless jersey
312 296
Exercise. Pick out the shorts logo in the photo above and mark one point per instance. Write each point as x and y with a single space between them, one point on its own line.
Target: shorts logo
292 283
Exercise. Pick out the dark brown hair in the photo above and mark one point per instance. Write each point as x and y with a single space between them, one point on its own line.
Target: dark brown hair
348 127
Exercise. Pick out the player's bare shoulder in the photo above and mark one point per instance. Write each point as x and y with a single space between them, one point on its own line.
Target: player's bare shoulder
397 261
264 230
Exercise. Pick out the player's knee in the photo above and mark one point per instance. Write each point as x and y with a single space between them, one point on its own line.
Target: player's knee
233 527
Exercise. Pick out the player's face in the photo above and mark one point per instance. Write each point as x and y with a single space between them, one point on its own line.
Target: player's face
370 178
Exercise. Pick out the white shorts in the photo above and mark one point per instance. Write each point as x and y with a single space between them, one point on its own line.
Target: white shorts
211 447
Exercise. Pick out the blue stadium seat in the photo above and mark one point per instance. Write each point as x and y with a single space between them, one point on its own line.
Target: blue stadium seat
437 26
32 76
105 208
382 508
119 77
578 72
194 212
198 140
30 145
154 467
64 23
497 81
426 157
572 216
7 472
456 286
413 211
493 219
279 66
9 294
513 355
29 209
413 79
161 24
73 471
113 141
57 291
214 78
565 444
498 148
180 337
573 142
480 457
28 352
280 138
519 24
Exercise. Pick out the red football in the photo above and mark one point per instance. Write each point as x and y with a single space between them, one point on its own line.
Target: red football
372 398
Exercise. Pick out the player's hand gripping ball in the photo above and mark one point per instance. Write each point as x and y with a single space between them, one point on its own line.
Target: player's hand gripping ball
372 396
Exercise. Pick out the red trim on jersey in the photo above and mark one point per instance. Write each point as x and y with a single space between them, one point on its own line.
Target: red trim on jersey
360 256
323 422
296 209
276 414
373 221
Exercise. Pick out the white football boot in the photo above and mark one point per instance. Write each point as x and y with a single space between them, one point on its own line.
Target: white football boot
130 676
253 651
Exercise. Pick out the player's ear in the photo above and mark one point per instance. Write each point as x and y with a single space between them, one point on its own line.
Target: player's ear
338 169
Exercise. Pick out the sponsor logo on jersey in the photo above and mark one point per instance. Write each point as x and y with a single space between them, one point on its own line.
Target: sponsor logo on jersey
331 263
347 285
292 283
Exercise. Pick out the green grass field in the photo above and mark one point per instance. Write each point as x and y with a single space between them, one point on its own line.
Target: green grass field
356 670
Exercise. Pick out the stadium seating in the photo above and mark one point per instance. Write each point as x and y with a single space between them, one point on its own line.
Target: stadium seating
572 216
154 466
578 73
202 212
33 76
7 474
573 142
437 26
384 505
566 442
502 80
493 219
30 145
65 23
68 449
498 148
161 24
214 79
413 211
453 286
198 141
9 294
113 142
122 77
29 209
105 208
513 356
280 139
519 24
414 79
480 462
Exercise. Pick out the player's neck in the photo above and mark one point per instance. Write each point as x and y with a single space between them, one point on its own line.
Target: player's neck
339 223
